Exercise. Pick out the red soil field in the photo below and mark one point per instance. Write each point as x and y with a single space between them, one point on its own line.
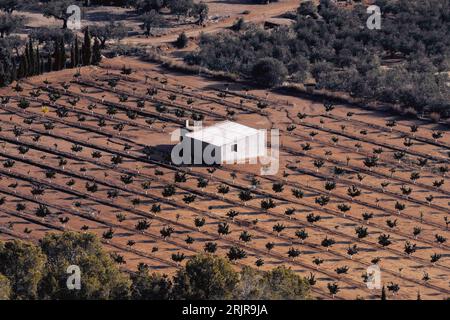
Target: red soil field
49 145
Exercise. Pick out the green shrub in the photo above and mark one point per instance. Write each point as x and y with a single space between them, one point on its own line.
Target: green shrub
269 72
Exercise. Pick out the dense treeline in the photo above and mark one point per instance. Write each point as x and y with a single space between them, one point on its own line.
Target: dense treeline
29 271
404 63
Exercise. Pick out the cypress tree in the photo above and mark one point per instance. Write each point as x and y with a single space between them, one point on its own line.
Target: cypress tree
72 56
19 69
26 66
56 58
96 53
49 63
25 62
14 70
2 75
86 48
21 72
37 64
27 58
62 54
77 53
31 59
383 294
41 66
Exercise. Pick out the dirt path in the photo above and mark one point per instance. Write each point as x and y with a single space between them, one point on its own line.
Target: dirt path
258 13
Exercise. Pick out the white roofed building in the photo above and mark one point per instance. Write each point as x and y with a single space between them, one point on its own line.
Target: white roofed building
226 142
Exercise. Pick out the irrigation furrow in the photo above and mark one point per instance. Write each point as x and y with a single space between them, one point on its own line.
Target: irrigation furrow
28 217
128 171
195 95
374 142
96 199
355 169
172 168
351 120
175 169
140 212
383 129
86 216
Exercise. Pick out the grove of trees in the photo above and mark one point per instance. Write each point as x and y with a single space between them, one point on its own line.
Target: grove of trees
46 50
332 46
29 271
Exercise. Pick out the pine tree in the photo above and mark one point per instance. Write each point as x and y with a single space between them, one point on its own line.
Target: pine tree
96 53
86 48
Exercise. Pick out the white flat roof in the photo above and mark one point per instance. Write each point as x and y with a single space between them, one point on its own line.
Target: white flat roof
222 133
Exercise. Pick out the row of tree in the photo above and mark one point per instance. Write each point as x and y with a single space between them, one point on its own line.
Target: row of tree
29 271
